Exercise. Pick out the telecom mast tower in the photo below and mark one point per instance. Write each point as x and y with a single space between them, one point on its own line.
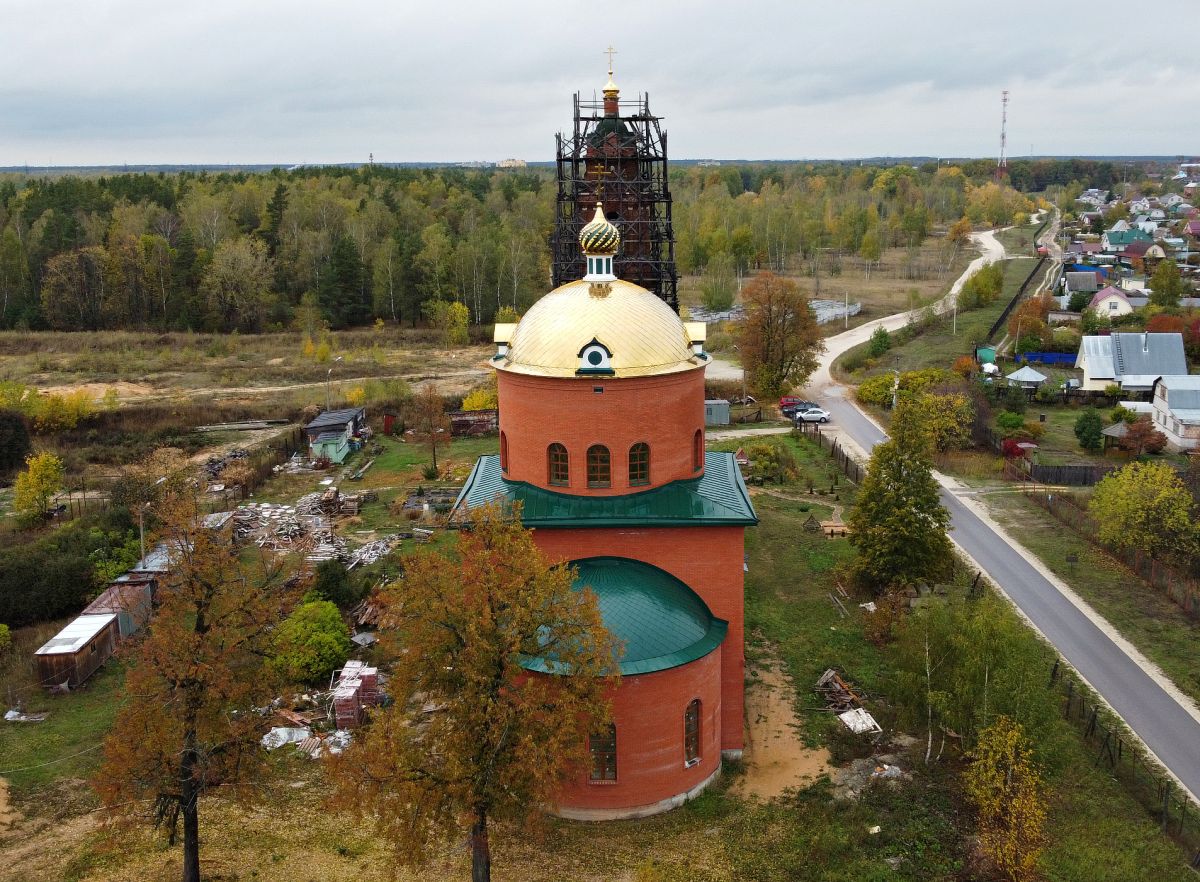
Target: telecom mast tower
1002 164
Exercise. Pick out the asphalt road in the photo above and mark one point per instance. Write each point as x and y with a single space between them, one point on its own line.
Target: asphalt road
1167 729
1158 718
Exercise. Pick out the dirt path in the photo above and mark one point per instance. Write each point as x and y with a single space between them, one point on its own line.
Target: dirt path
8 815
776 759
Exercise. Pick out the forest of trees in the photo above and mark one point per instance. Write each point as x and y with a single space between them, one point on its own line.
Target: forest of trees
344 247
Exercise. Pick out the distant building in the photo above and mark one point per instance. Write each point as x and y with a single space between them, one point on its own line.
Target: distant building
330 435
1132 361
511 163
1176 403
1110 301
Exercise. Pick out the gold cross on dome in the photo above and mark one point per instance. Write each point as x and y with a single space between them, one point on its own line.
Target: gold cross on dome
610 52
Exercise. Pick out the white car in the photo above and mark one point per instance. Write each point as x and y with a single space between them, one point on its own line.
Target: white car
812 415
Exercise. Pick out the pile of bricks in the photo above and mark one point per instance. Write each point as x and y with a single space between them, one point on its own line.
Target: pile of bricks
356 688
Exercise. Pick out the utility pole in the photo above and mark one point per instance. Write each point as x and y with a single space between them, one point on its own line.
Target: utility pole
328 379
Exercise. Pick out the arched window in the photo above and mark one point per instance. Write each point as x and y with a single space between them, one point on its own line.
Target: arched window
639 464
698 451
691 732
560 473
503 452
599 472
603 747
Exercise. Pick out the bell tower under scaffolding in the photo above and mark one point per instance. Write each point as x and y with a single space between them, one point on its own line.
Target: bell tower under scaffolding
621 161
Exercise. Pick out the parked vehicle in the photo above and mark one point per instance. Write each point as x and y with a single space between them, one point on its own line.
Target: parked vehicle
812 415
790 410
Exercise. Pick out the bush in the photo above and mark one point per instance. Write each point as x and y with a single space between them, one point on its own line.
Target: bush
14 440
881 342
5 639
1009 421
54 576
334 583
1088 428
311 642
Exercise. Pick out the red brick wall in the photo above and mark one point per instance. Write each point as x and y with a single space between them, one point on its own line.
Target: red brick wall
708 559
648 712
663 411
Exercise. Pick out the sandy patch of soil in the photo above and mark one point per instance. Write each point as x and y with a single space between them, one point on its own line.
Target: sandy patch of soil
125 391
776 758
8 815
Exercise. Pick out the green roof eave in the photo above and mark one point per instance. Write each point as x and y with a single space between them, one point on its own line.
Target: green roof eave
702 647
717 498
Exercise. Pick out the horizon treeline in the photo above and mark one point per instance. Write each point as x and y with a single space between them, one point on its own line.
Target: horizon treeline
337 247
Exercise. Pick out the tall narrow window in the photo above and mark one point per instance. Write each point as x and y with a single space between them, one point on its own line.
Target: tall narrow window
560 473
691 732
639 464
698 451
603 746
503 452
599 472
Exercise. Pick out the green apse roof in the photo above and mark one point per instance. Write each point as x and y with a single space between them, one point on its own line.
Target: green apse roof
717 498
659 621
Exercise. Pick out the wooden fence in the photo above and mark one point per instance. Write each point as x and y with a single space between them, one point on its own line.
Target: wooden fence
1069 475
844 461
1181 587
1176 814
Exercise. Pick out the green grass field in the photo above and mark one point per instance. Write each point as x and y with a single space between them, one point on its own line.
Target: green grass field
942 340
1147 618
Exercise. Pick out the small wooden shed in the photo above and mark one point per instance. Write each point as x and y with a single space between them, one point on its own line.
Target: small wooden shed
74 653
130 598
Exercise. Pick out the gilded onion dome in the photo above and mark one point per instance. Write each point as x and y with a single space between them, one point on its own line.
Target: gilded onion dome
599 236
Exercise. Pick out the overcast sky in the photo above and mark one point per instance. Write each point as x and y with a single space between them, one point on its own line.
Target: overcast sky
261 81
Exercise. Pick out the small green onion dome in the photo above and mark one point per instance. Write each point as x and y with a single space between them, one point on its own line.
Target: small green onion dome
599 236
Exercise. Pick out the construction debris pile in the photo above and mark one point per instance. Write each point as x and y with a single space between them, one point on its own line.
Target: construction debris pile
214 465
841 698
355 688
373 551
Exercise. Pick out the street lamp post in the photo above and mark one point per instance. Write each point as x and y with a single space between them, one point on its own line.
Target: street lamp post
328 378
743 361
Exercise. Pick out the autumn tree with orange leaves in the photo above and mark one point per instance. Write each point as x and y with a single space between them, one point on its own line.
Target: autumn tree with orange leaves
473 736
186 725
779 339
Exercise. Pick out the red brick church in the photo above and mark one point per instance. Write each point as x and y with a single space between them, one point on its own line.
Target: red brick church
601 396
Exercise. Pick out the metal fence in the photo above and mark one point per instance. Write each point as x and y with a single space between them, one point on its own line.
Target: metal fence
1118 752
999 323
1181 587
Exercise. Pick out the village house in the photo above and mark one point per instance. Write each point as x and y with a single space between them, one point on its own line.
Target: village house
1116 241
1111 302
1131 361
330 435
1176 414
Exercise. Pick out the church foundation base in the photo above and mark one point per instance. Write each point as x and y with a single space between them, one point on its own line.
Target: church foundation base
641 811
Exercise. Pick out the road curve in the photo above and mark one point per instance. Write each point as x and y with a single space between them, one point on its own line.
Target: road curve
1165 720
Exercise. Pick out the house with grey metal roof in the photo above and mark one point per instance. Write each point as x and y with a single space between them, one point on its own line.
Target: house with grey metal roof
1131 361
1176 413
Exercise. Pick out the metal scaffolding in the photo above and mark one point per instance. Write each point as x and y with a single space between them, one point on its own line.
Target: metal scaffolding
622 161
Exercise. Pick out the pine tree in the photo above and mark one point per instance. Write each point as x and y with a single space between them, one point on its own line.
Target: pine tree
898 522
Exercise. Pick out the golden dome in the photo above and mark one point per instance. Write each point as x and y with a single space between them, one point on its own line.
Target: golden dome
616 329
598 235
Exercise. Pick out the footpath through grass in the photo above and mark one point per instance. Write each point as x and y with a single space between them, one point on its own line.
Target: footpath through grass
935 340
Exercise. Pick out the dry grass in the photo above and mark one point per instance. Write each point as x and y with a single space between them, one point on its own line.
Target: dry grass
887 289
141 366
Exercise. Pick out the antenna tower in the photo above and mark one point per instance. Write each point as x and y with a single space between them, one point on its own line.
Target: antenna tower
1002 164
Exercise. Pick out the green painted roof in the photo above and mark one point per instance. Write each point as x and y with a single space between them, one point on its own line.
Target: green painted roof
717 498
659 621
